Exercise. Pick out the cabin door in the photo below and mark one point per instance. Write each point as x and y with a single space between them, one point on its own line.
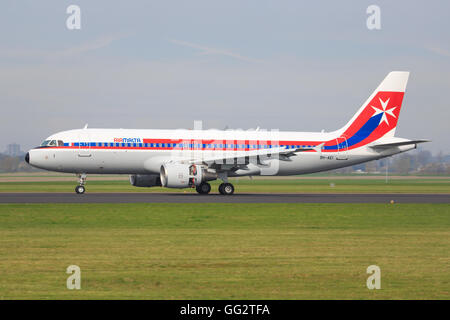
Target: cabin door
84 145
342 148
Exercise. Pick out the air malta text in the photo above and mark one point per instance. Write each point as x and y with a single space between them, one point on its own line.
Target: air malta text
128 140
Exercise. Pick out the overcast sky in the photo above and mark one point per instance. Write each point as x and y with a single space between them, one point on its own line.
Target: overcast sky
288 65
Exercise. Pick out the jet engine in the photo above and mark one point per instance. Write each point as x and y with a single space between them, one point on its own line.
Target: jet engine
182 175
145 180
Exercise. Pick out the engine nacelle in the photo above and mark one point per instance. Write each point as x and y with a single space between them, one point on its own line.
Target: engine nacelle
145 180
182 175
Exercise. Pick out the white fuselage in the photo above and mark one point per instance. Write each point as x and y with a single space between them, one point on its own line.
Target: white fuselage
124 151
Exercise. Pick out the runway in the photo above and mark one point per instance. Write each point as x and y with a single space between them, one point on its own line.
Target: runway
217 198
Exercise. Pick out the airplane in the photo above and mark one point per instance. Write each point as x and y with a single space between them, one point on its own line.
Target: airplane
185 158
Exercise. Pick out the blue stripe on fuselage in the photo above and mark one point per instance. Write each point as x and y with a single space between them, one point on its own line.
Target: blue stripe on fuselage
360 135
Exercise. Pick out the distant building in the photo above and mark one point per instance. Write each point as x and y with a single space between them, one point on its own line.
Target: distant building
446 158
13 150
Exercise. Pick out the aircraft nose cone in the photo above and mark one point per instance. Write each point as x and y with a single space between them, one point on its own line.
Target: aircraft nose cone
27 157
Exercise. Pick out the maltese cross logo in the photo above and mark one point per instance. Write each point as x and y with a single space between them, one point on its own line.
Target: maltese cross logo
383 110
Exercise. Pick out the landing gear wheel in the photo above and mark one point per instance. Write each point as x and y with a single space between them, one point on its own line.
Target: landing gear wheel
80 189
203 188
226 189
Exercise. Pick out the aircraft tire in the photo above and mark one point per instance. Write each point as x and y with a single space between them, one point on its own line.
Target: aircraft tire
226 189
80 189
203 188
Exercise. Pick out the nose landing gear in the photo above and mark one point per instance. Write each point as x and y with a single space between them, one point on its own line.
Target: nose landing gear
80 189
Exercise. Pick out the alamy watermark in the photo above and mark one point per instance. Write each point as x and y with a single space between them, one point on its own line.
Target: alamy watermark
373 281
257 149
73 22
74 280
373 21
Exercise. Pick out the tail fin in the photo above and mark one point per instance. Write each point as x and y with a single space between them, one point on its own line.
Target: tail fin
378 116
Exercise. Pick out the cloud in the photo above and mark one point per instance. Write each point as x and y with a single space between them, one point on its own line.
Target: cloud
214 51
99 43
439 51
72 51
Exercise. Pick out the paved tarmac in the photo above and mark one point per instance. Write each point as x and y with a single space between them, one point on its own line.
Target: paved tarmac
217 198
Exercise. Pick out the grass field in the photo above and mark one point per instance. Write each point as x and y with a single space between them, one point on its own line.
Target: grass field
225 251
245 185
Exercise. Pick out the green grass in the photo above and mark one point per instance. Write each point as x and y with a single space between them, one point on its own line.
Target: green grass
225 251
245 185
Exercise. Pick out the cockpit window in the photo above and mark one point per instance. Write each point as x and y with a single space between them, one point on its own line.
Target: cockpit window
52 143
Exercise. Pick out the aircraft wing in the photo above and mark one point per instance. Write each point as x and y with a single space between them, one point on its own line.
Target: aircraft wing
241 156
283 152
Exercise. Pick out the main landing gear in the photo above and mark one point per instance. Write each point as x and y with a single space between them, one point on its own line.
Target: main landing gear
80 189
225 188
203 188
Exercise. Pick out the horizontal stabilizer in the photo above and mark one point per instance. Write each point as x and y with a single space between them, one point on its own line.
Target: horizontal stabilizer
397 143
